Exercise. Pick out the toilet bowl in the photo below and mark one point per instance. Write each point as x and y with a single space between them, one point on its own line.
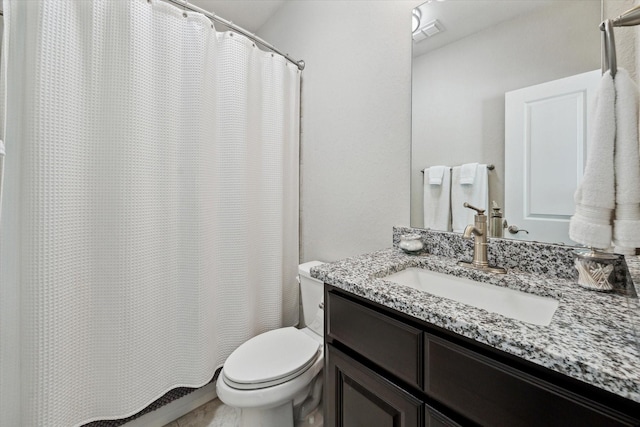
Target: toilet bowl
275 378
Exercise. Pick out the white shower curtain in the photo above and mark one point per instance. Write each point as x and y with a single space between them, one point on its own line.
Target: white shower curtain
150 206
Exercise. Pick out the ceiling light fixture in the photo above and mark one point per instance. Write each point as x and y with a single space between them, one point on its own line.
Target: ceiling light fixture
415 19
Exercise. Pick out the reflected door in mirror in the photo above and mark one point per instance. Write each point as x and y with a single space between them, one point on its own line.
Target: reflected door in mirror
546 133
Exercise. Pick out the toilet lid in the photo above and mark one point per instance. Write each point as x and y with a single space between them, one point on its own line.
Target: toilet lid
270 358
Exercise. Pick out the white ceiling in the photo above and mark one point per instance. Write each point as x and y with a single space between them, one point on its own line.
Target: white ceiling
462 18
248 14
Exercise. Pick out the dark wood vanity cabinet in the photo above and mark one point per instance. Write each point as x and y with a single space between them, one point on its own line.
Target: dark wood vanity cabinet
365 398
384 368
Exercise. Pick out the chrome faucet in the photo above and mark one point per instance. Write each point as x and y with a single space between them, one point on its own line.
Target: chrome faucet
478 232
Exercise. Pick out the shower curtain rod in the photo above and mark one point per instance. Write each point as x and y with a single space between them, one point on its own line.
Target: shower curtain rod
186 5
229 24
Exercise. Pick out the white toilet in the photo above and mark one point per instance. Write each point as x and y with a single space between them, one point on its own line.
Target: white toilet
275 378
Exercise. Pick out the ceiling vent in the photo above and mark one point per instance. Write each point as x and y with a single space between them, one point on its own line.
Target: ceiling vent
428 29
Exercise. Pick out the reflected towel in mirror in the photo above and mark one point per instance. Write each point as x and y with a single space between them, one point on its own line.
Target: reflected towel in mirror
468 173
437 198
436 174
476 194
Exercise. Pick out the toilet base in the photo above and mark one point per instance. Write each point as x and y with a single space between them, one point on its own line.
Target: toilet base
280 416
314 419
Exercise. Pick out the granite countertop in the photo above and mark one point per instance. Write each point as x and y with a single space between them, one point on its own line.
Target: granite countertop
593 337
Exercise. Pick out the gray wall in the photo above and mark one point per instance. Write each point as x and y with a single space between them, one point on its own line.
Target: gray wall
355 156
458 90
355 148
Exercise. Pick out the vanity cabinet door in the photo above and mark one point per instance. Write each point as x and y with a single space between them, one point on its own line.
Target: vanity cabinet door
357 396
493 394
436 419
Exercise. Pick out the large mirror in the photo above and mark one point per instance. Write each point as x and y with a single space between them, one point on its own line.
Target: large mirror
472 53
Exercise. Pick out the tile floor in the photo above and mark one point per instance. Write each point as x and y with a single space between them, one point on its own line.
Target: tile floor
212 414
216 414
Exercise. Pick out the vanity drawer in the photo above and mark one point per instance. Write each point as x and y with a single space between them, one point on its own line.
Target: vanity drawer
389 343
493 394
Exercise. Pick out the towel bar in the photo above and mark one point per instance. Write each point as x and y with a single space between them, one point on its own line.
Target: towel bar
489 167
628 19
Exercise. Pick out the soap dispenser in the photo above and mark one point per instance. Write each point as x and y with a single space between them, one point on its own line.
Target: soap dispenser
496 228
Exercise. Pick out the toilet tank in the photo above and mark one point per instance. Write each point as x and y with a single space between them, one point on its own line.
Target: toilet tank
311 293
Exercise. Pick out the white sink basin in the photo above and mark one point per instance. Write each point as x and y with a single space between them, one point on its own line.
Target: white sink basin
507 302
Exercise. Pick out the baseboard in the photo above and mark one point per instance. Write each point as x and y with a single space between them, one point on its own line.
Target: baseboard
174 410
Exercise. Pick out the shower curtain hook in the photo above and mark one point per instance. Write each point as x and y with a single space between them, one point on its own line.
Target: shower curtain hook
184 8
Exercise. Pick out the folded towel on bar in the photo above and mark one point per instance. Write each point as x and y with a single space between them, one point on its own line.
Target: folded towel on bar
468 173
437 200
626 226
595 196
436 173
476 194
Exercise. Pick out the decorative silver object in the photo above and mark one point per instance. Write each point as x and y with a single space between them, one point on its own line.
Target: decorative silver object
411 243
495 225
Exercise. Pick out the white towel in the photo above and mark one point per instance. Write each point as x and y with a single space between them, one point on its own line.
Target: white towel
626 227
436 173
437 201
595 196
476 194
468 173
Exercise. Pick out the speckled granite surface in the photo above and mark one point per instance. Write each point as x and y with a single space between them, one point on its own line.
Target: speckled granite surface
527 256
593 336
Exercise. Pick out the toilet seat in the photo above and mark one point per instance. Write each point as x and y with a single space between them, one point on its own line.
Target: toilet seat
270 359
